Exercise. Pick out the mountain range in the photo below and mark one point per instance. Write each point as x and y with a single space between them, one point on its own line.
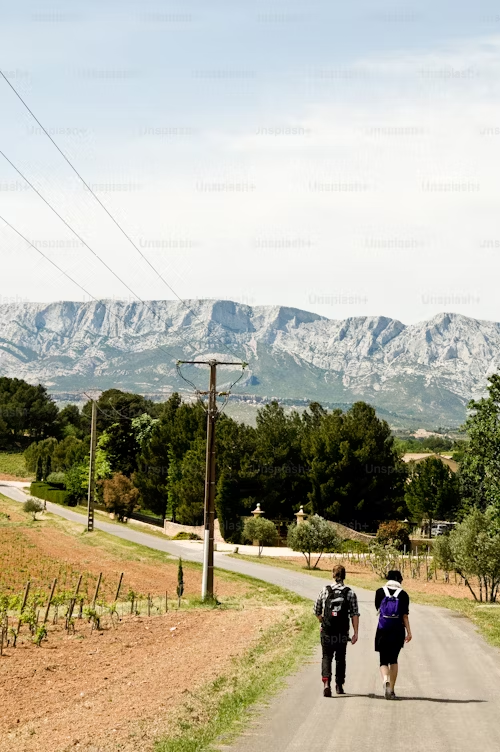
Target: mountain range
417 375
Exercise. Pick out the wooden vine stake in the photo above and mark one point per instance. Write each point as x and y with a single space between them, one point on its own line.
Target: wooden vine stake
73 601
23 604
119 587
96 591
52 591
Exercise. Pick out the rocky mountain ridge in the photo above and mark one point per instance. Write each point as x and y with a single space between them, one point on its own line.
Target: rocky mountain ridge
421 374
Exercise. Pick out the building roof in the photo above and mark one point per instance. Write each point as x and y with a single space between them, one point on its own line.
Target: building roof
420 456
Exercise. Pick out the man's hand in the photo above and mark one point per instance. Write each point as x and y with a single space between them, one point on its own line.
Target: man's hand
354 638
408 637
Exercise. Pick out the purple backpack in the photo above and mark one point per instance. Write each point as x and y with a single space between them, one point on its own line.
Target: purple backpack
389 613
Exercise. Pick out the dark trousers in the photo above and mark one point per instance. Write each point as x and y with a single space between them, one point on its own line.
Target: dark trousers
333 646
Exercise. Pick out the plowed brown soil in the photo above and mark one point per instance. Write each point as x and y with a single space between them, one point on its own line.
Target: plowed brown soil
117 689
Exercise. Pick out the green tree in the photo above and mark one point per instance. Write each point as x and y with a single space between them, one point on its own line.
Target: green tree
190 488
173 484
76 484
473 550
39 449
47 467
26 411
261 530
227 508
73 423
33 507
39 469
279 471
68 452
314 536
480 463
114 405
178 426
355 471
432 491
180 583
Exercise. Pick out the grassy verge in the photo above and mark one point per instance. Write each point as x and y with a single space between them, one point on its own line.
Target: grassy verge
221 710
486 616
12 463
104 516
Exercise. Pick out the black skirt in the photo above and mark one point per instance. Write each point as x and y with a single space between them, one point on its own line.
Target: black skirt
388 639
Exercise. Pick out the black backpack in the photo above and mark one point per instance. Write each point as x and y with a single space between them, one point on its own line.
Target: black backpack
336 611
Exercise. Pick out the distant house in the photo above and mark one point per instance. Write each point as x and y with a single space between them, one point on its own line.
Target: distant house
420 456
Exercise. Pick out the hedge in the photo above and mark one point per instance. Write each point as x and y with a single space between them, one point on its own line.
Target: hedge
47 492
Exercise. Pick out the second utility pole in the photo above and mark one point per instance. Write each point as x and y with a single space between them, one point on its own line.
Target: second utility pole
207 583
91 490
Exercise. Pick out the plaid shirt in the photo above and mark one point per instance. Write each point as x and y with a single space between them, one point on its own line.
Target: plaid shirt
352 601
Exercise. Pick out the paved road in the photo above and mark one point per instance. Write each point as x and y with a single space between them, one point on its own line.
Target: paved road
449 686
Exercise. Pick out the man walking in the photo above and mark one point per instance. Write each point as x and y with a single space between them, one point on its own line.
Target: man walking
335 606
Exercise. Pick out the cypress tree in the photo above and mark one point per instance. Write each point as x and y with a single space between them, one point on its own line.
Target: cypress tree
180 582
39 469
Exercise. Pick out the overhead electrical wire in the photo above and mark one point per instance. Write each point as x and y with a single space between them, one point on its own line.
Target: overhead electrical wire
68 276
110 215
76 234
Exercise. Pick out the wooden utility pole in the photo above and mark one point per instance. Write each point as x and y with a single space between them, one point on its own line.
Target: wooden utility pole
207 584
90 498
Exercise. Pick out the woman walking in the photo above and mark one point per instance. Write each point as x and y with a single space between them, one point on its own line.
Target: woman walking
393 605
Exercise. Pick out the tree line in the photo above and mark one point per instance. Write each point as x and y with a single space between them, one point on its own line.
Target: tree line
342 465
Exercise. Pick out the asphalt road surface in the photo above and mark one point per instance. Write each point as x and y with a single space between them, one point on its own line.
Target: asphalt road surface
449 686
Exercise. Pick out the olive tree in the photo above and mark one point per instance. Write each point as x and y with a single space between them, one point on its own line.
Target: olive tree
473 550
33 507
260 530
316 535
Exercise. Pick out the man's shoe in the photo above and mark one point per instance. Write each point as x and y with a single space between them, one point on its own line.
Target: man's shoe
393 695
387 690
327 689
339 689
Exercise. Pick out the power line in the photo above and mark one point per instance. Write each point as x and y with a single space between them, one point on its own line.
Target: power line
88 187
87 245
120 318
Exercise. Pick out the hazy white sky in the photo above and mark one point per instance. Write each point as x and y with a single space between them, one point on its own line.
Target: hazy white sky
340 160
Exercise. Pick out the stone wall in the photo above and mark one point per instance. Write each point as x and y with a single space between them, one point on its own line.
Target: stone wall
172 528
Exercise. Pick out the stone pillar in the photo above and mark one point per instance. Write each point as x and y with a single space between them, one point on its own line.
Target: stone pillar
257 513
300 515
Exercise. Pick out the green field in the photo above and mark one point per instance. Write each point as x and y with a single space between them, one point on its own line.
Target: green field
12 463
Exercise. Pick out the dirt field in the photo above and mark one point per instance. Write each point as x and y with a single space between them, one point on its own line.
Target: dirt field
118 687
52 548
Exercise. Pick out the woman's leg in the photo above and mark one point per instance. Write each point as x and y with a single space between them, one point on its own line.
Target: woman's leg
393 674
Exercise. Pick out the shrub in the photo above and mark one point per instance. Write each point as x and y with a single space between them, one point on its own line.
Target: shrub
120 495
383 559
260 530
394 533
473 550
354 546
33 507
316 535
46 492
184 535
75 478
56 479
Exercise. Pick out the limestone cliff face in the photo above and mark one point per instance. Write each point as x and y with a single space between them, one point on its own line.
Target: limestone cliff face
430 368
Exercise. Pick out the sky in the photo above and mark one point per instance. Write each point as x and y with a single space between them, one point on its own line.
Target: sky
338 158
